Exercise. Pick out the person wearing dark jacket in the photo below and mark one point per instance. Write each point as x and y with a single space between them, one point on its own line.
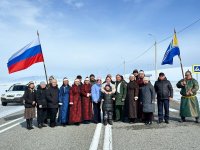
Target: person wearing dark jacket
120 96
136 74
29 103
132 99
107 107
140 82
41 104
164 91
52 101
148 101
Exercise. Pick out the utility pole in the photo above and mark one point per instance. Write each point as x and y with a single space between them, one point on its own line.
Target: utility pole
155 61
156 72
124 68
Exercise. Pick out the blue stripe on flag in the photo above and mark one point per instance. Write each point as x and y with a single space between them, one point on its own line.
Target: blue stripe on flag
27 54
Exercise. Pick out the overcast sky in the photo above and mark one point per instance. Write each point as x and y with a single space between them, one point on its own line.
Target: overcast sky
95 36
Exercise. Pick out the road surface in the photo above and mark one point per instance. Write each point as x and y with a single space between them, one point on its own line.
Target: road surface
120 136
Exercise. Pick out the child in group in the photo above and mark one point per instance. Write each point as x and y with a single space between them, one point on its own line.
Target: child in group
107 107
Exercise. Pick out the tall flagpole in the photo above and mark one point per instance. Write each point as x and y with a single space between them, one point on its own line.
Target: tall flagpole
45 70
180 59
181 65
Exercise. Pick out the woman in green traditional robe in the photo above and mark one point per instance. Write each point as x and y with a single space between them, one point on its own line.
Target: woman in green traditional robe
189 103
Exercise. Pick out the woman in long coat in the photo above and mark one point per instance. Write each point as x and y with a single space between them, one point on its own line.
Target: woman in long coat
148 101
132 99
64 102
29 103
189 103
75 103
52 95
86 101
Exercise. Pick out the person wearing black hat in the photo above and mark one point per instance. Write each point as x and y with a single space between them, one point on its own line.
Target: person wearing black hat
29 103
80 78
136 73
164 92
92 79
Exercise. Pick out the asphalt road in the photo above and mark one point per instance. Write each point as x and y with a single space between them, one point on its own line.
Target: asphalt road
120 136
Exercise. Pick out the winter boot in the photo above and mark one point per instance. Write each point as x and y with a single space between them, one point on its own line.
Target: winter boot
43 125
110 122
105 122
167 121
31 123
39 126
197 119
28 124
182 120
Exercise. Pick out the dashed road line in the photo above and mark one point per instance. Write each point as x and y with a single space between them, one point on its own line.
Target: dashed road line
108 138
96 137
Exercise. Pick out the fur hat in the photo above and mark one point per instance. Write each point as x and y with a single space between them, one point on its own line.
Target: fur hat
65 79
131 75
31 82
42 83
87 79
77 80
146 78
98 78
141 71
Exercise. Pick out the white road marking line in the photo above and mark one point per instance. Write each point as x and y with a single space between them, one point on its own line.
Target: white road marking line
96 137
5 124
14 125
108 138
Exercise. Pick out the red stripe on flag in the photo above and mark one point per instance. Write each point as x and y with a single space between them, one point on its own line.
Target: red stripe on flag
24 64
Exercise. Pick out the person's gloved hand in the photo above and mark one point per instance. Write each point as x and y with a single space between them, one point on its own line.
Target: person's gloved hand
123 99
40 106
60 104
71 103
136 98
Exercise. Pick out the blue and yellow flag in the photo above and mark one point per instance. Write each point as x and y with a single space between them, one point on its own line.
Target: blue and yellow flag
171 51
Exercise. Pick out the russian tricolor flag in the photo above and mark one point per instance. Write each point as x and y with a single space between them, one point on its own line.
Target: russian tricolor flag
27 56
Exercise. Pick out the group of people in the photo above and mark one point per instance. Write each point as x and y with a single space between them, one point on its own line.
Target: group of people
119 101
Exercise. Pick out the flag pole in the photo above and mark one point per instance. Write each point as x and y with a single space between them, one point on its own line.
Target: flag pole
181 65
45 70
179 56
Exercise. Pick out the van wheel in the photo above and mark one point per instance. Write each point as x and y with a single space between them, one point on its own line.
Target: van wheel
4 103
